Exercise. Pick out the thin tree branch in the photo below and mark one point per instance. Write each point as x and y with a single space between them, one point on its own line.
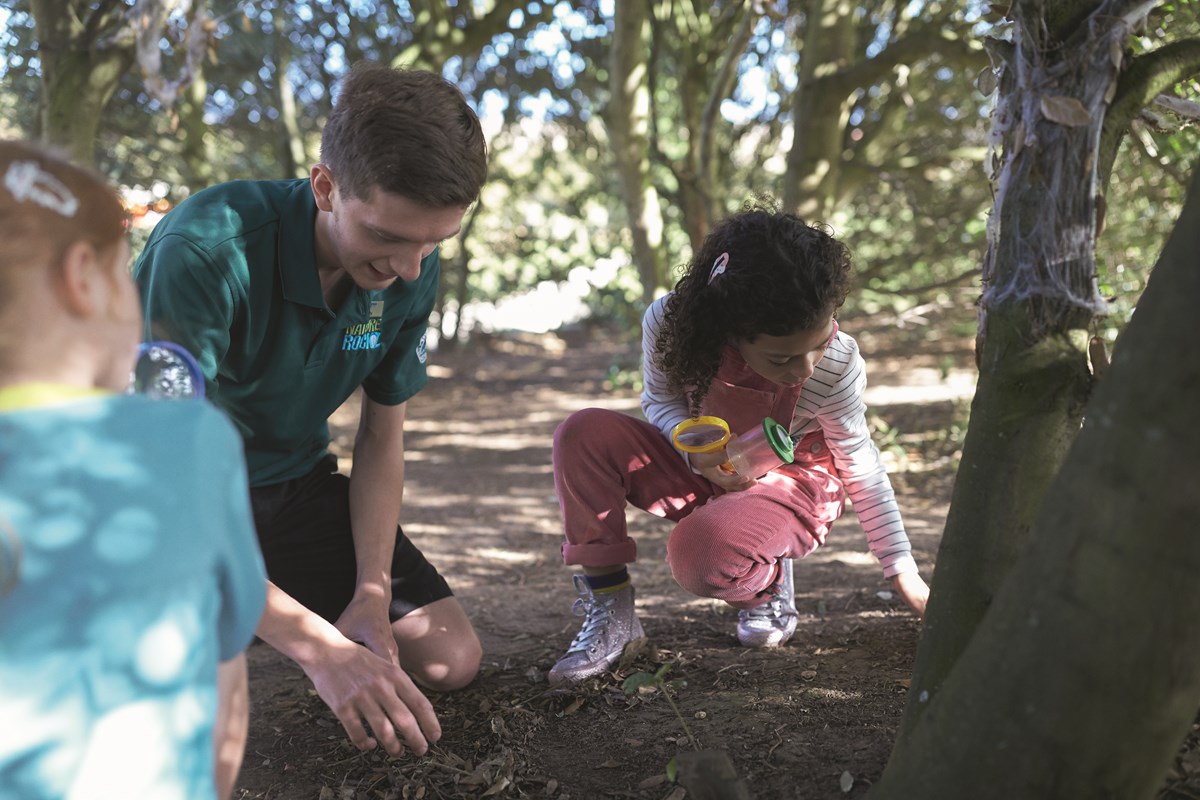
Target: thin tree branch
1146 77
1188 109
954 48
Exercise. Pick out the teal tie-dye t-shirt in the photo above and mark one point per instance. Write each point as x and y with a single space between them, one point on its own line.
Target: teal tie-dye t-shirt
130 569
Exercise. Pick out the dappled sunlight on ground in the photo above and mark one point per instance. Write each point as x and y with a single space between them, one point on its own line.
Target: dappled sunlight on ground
479 500
924 385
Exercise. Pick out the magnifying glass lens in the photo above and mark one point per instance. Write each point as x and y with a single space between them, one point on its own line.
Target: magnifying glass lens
166 370
700 436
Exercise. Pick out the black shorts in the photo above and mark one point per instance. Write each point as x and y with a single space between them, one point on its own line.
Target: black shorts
307 546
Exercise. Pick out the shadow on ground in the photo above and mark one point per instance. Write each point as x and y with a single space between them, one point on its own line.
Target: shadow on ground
814 719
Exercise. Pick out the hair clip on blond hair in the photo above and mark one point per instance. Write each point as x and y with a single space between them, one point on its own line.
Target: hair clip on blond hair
26 180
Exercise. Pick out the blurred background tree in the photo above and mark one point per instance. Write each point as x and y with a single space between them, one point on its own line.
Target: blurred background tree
618 132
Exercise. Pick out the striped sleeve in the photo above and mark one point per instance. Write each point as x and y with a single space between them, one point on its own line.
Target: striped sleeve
663 409
833 398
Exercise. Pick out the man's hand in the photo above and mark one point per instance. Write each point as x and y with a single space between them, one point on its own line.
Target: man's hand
354 682
914 591
365 621
357 684
709 466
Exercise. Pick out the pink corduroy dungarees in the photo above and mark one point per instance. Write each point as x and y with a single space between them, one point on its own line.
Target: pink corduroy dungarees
726 545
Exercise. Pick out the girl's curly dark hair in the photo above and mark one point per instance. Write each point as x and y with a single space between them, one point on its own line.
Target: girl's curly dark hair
783 276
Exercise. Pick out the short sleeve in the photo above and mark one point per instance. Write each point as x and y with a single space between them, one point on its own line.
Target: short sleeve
186 299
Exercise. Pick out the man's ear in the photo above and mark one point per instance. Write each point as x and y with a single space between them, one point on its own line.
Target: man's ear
323 186
83 286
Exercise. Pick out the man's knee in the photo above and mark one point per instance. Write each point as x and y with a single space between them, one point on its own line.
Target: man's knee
438 646
453 667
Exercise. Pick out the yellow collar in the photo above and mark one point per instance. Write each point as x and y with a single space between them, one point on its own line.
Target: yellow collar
34 395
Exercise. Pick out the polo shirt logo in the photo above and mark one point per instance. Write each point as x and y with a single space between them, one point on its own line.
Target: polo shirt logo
365 335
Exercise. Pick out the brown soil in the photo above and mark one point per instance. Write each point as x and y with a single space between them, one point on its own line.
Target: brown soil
814 719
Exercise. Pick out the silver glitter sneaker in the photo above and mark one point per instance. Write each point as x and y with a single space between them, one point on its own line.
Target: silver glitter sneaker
774 622
609 623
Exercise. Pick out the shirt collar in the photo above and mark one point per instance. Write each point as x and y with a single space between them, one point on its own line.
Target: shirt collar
296 248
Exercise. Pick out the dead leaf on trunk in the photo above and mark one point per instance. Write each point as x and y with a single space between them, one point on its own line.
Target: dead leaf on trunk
1065 111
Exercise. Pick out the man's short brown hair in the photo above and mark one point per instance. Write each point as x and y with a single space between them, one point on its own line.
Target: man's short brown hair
409 132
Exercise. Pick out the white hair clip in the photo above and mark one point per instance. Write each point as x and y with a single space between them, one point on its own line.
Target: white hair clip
718 266
28 181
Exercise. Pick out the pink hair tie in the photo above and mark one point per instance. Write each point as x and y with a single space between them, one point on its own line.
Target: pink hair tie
718 266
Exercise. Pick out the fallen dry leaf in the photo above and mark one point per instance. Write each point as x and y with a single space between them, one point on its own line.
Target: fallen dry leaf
847 782
650 783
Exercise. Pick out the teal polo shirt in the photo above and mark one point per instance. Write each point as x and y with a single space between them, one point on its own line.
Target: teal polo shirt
231 275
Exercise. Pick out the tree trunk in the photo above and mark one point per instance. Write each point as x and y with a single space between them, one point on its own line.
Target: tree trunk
628 122
1039 275
80 73
462 275
710 46
197 151
292 156
1081 682
814 162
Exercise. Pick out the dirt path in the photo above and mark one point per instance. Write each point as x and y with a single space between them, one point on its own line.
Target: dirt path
479 501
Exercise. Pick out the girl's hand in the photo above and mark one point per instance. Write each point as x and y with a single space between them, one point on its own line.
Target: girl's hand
913 589
709 466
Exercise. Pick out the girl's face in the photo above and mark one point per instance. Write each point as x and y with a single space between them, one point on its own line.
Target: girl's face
788 360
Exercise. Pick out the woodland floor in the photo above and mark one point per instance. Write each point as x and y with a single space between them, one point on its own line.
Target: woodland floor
814 719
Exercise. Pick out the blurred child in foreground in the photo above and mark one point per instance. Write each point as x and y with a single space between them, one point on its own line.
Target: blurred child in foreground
130 578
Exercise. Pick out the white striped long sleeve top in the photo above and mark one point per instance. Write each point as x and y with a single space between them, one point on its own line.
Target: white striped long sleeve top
832 401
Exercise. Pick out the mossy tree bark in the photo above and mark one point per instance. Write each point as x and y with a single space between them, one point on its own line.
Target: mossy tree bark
84 52
828 161
1081 681
196 149
627 119
703 50
1057 79
293 155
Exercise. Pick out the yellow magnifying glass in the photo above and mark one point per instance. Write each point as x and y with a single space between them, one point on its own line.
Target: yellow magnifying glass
701 434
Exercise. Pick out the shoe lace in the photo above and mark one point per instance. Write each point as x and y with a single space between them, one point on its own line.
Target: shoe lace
770 610
595 611
775 608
